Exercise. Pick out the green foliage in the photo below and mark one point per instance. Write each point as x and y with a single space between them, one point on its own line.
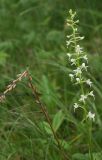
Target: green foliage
49 93
47 127
3 57
57 120
32 34
78 156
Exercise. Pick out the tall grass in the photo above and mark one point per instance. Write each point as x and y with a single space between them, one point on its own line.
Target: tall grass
32 33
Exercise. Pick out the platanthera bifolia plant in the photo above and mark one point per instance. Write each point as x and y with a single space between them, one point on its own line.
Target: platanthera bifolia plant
79 64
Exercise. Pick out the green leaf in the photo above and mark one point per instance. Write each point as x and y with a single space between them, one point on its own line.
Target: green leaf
49 93
3 57
64 144
58 119
55 36
96 156
79 156
47 127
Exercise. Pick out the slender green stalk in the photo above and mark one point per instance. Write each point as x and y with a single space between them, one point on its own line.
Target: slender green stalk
90 141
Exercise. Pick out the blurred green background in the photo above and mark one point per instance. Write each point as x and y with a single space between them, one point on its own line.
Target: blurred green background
33 34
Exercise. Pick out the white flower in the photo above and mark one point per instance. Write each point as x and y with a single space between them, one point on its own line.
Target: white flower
85 58
78 80
68 43
76 29
71 76
83 66
91 116
83 98
68 36
78 49
77 71
73 61
88 81
69 55
82 38
76 106
91 94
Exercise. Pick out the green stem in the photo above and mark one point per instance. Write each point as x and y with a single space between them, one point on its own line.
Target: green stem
90 141
78 64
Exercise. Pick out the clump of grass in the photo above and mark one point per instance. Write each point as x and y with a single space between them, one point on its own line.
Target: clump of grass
12 86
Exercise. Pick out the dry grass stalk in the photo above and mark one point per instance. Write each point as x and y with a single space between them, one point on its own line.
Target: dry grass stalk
11 86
